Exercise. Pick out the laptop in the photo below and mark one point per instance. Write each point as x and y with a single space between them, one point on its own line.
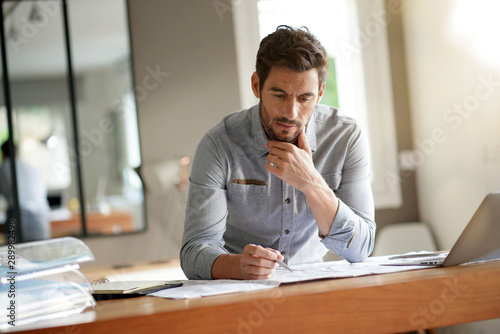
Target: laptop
479 241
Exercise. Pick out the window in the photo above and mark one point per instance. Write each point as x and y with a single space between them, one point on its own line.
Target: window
40 131
272 13
354 35
70 98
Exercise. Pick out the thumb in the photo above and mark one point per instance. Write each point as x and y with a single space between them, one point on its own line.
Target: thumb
302 142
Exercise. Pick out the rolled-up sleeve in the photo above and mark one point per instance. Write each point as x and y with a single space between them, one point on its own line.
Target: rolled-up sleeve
353 230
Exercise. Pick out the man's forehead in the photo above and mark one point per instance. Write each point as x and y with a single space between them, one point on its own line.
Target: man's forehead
287 80
280 90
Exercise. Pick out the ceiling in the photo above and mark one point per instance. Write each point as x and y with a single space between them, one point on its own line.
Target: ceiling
35 43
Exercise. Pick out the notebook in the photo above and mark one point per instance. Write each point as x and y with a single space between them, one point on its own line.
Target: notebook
479 241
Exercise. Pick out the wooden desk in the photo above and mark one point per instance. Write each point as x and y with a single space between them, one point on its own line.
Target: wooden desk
388 303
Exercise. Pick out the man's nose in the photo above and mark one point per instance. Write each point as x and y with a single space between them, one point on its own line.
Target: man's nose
291 109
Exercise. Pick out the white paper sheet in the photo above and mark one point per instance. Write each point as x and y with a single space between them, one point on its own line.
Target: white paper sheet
201 288
339 269
334 269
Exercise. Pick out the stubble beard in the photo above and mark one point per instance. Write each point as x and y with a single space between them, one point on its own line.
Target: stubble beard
283 135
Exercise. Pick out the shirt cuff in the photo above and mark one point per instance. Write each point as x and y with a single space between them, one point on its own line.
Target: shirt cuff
343 228
205 260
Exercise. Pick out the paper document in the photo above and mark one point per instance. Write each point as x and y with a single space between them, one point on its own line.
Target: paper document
201 288
301 273
338 269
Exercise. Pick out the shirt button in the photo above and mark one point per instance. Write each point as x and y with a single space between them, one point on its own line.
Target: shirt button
287 200
287 231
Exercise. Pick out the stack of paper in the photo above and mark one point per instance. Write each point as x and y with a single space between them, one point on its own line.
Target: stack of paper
40 280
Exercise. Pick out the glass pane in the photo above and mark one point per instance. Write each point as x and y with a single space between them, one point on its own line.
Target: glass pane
4 135
42 119
108 129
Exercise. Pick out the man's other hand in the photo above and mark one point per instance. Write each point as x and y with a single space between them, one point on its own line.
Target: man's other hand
293 164
256 262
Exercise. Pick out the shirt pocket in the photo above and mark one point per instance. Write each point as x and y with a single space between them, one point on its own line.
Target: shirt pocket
248 204
249 186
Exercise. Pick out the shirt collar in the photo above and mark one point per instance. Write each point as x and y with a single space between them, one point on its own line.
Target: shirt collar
260 138
311 131
259 135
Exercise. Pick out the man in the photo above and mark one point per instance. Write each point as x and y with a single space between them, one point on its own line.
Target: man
34 207
280 180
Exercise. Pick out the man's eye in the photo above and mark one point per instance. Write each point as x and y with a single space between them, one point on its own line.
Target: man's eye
279 96
304 99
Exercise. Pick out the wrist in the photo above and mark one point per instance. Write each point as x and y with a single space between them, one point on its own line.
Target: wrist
316 186
226 266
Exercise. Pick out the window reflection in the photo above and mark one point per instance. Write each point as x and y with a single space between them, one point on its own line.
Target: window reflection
34 209
108 151
109 140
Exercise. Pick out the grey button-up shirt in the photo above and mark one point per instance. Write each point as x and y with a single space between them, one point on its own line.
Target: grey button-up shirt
233 200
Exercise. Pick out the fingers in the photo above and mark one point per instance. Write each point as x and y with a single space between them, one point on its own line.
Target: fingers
260 251
278 254
273 160
301 143
292 164
278 145
258 262
279 151
282 149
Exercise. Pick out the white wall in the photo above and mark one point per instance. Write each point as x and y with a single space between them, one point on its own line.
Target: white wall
458 152
190 41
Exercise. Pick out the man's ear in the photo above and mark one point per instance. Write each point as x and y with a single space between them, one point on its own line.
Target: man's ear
321 92
255 85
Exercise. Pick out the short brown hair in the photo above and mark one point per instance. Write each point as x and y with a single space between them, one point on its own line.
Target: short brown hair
296 49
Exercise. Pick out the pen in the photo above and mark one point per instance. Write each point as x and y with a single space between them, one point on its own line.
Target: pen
282 264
